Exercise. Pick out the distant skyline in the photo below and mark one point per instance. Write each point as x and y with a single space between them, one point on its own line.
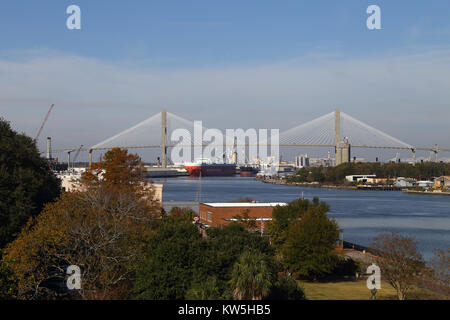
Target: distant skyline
249 64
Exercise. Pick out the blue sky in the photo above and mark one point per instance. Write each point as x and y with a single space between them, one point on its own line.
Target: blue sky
199 33
212 59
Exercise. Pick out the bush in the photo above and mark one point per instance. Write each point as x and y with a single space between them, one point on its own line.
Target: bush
286 288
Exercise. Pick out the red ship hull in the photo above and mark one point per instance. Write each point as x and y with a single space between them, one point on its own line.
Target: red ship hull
211 170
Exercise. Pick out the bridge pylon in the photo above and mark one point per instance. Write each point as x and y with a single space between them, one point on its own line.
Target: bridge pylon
164 139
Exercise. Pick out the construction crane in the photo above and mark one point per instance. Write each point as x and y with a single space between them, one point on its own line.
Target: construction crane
43 122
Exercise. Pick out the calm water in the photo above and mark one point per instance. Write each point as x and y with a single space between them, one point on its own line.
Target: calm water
359 213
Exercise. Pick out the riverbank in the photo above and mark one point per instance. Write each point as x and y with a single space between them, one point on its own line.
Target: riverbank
431 193
327 186
304 184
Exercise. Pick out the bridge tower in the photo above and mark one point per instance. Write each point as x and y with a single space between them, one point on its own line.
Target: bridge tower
163 139
337 137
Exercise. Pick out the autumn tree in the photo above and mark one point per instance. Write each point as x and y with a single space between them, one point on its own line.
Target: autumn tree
182 214
441 267
402 266
102 228
26 182
310 243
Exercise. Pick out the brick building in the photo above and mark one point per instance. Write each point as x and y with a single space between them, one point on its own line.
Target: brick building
216 214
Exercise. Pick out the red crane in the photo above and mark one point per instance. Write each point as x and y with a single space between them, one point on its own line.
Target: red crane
43 122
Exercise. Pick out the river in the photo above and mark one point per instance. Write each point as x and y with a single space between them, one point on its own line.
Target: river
360 214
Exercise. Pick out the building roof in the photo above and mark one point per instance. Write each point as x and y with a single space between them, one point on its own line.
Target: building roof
244 204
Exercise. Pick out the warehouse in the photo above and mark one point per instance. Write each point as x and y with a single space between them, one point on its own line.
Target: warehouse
216 214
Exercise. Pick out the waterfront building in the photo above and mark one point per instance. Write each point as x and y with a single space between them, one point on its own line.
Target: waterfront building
401 182
368 178
322 162
425 184
217 214
443 182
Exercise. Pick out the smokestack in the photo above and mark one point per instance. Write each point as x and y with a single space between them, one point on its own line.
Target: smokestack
49 148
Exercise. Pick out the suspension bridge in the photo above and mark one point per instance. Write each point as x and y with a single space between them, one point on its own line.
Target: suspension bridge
325 131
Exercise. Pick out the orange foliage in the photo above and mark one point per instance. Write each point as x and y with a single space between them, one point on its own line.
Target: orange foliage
102 229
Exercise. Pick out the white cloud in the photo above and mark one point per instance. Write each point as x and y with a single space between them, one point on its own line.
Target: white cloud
406 96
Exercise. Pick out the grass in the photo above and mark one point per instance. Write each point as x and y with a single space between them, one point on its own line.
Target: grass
357 290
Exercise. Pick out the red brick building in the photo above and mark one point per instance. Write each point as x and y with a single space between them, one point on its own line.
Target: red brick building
216 214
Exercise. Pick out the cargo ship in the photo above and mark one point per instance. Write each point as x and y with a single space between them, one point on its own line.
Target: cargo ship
248 171
205 168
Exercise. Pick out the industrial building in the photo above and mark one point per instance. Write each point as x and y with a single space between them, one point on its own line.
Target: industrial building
302 161
443 182
217 214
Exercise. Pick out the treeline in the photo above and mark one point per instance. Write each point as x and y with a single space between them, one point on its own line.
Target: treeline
421 171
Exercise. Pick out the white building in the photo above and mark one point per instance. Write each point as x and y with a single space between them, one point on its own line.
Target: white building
425 184
361 178
302 161
401 182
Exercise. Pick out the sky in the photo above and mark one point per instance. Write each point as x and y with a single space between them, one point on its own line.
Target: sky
232 64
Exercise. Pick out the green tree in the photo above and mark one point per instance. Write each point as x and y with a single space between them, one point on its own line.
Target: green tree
286 288
26 182
174 260
204 289
283 216
245 220
309 247
252 276
226 244
8 282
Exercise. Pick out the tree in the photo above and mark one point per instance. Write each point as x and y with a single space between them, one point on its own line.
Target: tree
182 214
102 228
26 182
204 289
8 283
283 216
245 220
226 244
286 288
310 243
252 276
441 267
174 260
399 260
